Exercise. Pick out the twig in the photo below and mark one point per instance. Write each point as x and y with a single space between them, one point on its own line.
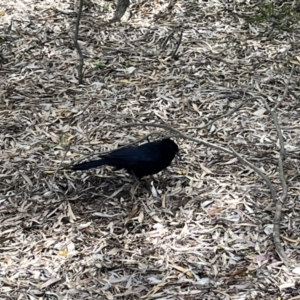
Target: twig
76 43
258 171
178 43
286 89
122 5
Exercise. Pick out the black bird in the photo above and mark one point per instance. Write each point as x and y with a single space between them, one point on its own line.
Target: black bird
146 159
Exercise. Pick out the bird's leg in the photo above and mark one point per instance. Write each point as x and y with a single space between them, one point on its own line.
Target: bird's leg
133 176
134 188
135 184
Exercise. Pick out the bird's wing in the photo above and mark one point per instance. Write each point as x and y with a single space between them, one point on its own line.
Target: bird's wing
134 154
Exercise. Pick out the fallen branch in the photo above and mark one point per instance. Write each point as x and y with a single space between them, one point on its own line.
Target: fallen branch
278 202
198 141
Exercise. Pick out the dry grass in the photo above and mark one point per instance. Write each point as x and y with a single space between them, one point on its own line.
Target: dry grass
199 230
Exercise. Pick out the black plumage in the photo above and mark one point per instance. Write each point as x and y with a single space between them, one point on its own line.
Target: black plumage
143 160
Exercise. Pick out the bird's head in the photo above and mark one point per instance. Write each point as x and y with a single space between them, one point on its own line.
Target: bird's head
170 146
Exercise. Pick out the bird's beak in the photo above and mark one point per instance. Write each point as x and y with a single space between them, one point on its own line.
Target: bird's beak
179 155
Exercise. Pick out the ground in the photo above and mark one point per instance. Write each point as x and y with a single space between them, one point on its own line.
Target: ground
201 229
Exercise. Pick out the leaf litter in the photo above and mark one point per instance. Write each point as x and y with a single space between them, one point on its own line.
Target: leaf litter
202 229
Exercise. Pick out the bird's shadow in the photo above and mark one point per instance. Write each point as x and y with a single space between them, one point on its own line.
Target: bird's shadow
120 194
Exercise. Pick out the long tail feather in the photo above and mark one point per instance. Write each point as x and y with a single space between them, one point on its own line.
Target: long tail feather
89 165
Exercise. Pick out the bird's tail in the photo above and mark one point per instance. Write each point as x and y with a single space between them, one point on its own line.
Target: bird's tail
89 165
